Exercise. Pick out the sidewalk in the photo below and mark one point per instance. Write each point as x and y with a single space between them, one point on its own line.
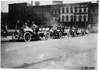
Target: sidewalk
6 38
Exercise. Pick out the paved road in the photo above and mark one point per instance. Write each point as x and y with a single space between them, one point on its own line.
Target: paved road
65 53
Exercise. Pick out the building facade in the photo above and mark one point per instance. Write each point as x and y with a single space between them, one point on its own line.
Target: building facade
17 12
75 14
93 13
4 19
44 15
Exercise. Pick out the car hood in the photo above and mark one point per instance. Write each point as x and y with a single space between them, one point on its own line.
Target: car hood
27 29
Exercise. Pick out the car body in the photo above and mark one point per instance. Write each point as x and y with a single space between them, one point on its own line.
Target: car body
28 33
59 32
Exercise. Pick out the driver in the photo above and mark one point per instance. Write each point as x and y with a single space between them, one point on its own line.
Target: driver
24 25
34 27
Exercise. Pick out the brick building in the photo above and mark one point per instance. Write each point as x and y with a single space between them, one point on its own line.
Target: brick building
44 15
17 12
74 14
4 19
93 13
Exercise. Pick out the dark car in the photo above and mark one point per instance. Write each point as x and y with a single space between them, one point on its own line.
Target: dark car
59 32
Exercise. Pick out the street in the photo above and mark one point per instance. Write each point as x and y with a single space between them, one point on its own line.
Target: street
64 53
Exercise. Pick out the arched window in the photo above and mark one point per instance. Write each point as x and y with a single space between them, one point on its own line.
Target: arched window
71 10
67 10
80 10
67 18
85 9
71 18
62 18
74 17
75 10
79 17
62 10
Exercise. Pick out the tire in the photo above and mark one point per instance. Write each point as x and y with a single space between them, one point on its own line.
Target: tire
27 36
47 36
60 34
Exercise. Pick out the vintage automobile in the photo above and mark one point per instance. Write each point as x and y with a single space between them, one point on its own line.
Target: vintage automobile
59 32
28 33
85 32
78 32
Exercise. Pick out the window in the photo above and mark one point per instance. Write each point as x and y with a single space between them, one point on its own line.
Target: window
71 10
80 18
80 10
85 17
67 18
62 10
71 17
75 18
67 10
85 9
62 18
75 10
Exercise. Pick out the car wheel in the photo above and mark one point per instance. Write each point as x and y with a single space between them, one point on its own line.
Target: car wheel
60 34
27 36
47 36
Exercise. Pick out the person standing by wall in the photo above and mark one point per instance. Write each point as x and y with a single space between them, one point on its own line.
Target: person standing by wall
5 30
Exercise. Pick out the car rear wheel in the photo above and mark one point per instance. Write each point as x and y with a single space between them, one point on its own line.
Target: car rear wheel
27 36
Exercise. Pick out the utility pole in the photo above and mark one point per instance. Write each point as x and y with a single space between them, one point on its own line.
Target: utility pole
75 20
84 21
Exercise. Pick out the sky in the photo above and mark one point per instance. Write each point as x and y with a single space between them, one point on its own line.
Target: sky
4 3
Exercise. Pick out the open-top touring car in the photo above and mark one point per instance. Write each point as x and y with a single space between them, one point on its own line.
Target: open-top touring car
28 33
58 32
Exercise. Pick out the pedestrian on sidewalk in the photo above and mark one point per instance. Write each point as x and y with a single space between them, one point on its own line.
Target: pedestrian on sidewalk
5 30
